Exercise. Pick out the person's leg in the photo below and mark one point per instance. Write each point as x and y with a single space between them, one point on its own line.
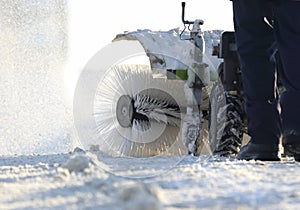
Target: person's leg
287 31
254 40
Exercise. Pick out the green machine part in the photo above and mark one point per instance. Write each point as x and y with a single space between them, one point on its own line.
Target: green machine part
177 74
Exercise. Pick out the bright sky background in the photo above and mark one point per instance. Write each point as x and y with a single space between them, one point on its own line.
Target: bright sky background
94 23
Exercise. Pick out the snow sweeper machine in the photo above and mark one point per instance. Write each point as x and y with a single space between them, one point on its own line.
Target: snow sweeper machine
178 103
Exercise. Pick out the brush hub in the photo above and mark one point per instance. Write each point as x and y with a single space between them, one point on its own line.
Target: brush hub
125 111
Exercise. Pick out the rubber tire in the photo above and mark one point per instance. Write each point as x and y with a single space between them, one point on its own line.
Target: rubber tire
226 126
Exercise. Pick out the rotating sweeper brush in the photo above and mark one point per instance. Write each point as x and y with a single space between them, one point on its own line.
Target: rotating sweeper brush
137 115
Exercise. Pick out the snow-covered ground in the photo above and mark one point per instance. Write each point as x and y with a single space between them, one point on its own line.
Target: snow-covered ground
80 181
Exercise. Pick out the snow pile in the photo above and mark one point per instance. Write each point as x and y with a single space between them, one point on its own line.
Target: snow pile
77 163
141 197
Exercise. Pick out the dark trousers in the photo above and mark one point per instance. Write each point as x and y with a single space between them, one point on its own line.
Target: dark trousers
255 41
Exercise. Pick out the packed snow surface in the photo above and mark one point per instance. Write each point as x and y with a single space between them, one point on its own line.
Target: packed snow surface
78 180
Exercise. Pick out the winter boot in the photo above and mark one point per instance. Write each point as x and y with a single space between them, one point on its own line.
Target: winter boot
292 146
264 152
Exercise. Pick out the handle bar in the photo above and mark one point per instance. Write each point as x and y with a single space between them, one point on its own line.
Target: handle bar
182 15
